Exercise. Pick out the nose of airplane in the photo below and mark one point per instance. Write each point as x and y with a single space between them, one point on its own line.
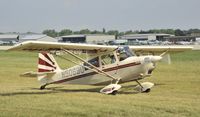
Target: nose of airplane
156 58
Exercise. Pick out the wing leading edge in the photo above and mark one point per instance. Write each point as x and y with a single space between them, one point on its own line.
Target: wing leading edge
48 46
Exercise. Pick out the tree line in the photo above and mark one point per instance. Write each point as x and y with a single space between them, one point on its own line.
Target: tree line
63 32
176 32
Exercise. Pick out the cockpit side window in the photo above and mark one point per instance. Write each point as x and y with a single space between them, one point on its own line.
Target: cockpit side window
94 61
122 56
108 59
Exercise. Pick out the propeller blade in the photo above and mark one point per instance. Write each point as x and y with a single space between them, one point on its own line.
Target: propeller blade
166 58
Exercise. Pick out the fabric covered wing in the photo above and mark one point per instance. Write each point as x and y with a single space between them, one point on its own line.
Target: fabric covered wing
160 49
48 46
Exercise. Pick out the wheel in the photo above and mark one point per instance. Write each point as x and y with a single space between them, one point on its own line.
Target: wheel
114 92
42 87
147 90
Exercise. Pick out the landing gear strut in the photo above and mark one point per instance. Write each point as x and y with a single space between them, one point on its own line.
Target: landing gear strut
43 87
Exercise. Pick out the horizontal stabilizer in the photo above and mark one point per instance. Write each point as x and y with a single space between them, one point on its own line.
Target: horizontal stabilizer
35 74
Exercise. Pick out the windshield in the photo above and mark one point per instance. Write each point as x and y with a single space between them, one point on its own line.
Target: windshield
124 52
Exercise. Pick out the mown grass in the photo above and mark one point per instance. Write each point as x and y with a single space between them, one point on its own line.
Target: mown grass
176 93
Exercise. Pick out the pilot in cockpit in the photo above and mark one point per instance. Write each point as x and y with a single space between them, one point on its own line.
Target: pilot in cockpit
121 55
124 53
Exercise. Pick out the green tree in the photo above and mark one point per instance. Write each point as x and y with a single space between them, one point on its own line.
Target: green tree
76 32
121 33
167 31
113 32
65 32
50 32
129 32
96 32
170 31
85 31
143 32
190 31
179 32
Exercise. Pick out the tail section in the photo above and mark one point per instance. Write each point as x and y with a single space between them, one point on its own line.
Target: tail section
47 67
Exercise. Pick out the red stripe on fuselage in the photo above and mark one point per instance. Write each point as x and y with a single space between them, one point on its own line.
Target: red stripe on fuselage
93 73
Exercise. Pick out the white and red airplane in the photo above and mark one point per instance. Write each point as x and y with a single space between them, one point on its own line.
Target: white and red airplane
108 65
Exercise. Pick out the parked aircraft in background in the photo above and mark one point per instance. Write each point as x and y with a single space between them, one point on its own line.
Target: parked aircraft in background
183 43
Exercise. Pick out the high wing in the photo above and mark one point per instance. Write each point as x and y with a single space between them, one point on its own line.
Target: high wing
160 49
51 46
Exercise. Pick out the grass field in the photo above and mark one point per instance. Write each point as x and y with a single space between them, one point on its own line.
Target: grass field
176 93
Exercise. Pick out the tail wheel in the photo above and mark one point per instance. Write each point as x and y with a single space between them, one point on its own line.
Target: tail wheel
147 90
42 87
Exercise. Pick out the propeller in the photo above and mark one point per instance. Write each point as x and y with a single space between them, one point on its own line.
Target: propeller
166 58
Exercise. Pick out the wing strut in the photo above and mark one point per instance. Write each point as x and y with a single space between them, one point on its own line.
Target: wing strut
79 64
98 70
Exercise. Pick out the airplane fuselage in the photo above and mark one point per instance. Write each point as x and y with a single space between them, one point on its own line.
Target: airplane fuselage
127 70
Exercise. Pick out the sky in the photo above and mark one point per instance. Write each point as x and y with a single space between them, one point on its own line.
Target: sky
122 15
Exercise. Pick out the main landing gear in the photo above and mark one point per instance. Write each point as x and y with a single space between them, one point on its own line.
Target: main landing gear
141 87
144 87
111 89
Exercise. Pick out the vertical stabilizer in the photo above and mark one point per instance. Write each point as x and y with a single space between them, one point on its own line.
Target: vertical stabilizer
47 66
47 63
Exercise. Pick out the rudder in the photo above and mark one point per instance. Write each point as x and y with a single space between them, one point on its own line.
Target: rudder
47 66
47 63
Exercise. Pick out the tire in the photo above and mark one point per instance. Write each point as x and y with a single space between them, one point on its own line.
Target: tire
114 92
147 91
42 87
